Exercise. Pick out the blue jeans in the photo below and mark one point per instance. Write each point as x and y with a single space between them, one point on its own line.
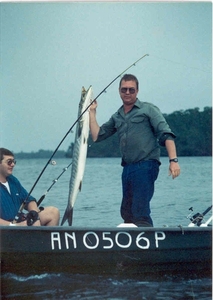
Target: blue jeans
138 188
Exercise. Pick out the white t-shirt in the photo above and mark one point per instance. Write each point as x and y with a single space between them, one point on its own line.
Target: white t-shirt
7 186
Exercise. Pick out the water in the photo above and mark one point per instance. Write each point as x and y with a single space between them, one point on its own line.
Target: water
87 287
98 204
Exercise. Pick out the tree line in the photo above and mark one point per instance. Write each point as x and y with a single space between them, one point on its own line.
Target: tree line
40 154
192 127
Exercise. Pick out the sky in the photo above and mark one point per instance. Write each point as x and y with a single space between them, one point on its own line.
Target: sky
50 50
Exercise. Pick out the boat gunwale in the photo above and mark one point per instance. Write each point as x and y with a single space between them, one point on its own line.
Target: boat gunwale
179 228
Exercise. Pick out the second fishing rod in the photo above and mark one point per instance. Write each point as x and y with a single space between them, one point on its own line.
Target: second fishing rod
48 162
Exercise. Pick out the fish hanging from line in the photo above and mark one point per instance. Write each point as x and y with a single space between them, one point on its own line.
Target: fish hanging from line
79 153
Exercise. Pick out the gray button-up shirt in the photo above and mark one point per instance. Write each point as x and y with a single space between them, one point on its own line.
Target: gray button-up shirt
140 132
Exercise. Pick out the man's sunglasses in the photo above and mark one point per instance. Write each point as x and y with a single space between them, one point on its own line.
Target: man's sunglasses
131 90
11 161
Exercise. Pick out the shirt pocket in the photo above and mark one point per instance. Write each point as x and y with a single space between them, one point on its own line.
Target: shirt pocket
140 123
118 124
138 119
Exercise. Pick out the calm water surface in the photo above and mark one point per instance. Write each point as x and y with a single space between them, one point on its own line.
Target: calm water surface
98 204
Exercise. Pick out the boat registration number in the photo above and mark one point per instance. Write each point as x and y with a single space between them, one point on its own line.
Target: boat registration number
105 240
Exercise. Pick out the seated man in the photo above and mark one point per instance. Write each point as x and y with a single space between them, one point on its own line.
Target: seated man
12 195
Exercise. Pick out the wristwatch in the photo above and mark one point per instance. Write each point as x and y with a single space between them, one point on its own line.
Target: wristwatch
173 159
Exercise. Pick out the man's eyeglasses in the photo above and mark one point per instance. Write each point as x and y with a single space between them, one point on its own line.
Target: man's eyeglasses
131 90
11 161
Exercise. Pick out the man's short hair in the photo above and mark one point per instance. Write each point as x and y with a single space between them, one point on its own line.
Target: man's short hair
129 77
4 151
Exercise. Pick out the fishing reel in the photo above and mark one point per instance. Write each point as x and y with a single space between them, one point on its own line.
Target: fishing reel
20 217
31 217
197 218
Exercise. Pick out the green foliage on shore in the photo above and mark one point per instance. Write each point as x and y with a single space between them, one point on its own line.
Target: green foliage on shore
193 130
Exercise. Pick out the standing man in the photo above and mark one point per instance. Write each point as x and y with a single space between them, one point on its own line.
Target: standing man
141 128
12 195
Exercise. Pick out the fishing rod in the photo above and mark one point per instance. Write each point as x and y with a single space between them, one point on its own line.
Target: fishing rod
54 181
30 216
104 90
198 217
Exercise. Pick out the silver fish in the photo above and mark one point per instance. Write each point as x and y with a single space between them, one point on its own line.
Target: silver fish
79 153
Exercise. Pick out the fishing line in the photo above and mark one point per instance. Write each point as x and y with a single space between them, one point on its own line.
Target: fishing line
104 90
181 64
54 182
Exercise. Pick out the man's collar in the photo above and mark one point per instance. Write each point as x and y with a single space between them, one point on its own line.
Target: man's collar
137 103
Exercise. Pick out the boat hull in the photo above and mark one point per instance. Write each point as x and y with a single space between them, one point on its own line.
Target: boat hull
141 250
